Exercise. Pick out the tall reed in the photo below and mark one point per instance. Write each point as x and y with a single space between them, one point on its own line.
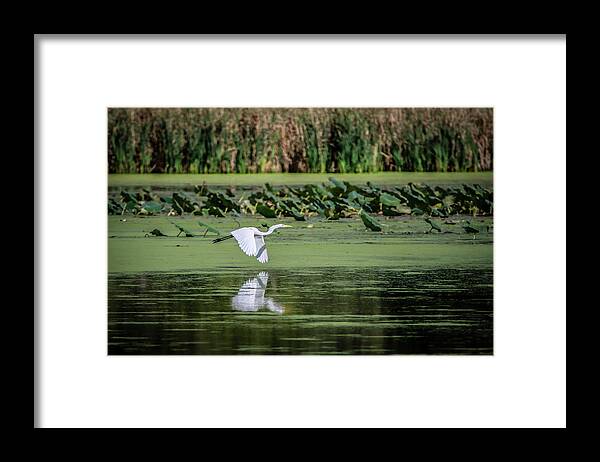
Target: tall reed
344 140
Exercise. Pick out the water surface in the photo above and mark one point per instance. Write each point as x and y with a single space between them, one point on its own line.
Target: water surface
309 311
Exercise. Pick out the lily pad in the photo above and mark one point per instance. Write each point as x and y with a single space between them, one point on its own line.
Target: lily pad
151 207
201 190
216 212
132 206
338 186
298 216
390 211
114 208
182 230
157 232
128 197
182 204
266 211
209 228
389 200
370 222
433 225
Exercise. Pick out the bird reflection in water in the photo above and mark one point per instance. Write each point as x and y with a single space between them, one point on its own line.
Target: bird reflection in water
251 296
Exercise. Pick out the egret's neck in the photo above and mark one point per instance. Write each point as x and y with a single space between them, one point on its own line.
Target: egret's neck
271 229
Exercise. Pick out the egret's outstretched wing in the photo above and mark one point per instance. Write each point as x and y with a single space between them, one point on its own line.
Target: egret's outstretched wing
250 297
261 249
245 239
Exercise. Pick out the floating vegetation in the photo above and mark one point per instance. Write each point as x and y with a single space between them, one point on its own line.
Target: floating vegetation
370 222
156 232
329 201
470 229
433 225
182 230
209 228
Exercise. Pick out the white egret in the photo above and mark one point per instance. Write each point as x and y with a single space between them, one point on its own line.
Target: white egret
251 240
251 296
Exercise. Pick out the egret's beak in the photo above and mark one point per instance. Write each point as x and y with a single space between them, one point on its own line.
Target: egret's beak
287 226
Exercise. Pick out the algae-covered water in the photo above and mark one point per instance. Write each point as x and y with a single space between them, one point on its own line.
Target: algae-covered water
185 180
330 287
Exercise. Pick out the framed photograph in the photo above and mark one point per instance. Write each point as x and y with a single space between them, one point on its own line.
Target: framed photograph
341 236
379 225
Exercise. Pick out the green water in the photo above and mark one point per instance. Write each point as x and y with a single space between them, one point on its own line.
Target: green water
330 287
309 311
405 243
185 180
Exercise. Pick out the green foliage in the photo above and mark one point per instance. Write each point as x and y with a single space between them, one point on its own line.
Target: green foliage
433 225
246 140
370 222
209 228
330 201
389 200
265 211
150 208
182 230
156 232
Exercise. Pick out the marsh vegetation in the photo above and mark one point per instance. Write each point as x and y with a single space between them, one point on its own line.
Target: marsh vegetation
332 200
390 250
335 140
402 281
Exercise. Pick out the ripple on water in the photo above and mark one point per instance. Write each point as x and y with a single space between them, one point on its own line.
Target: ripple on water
315 311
